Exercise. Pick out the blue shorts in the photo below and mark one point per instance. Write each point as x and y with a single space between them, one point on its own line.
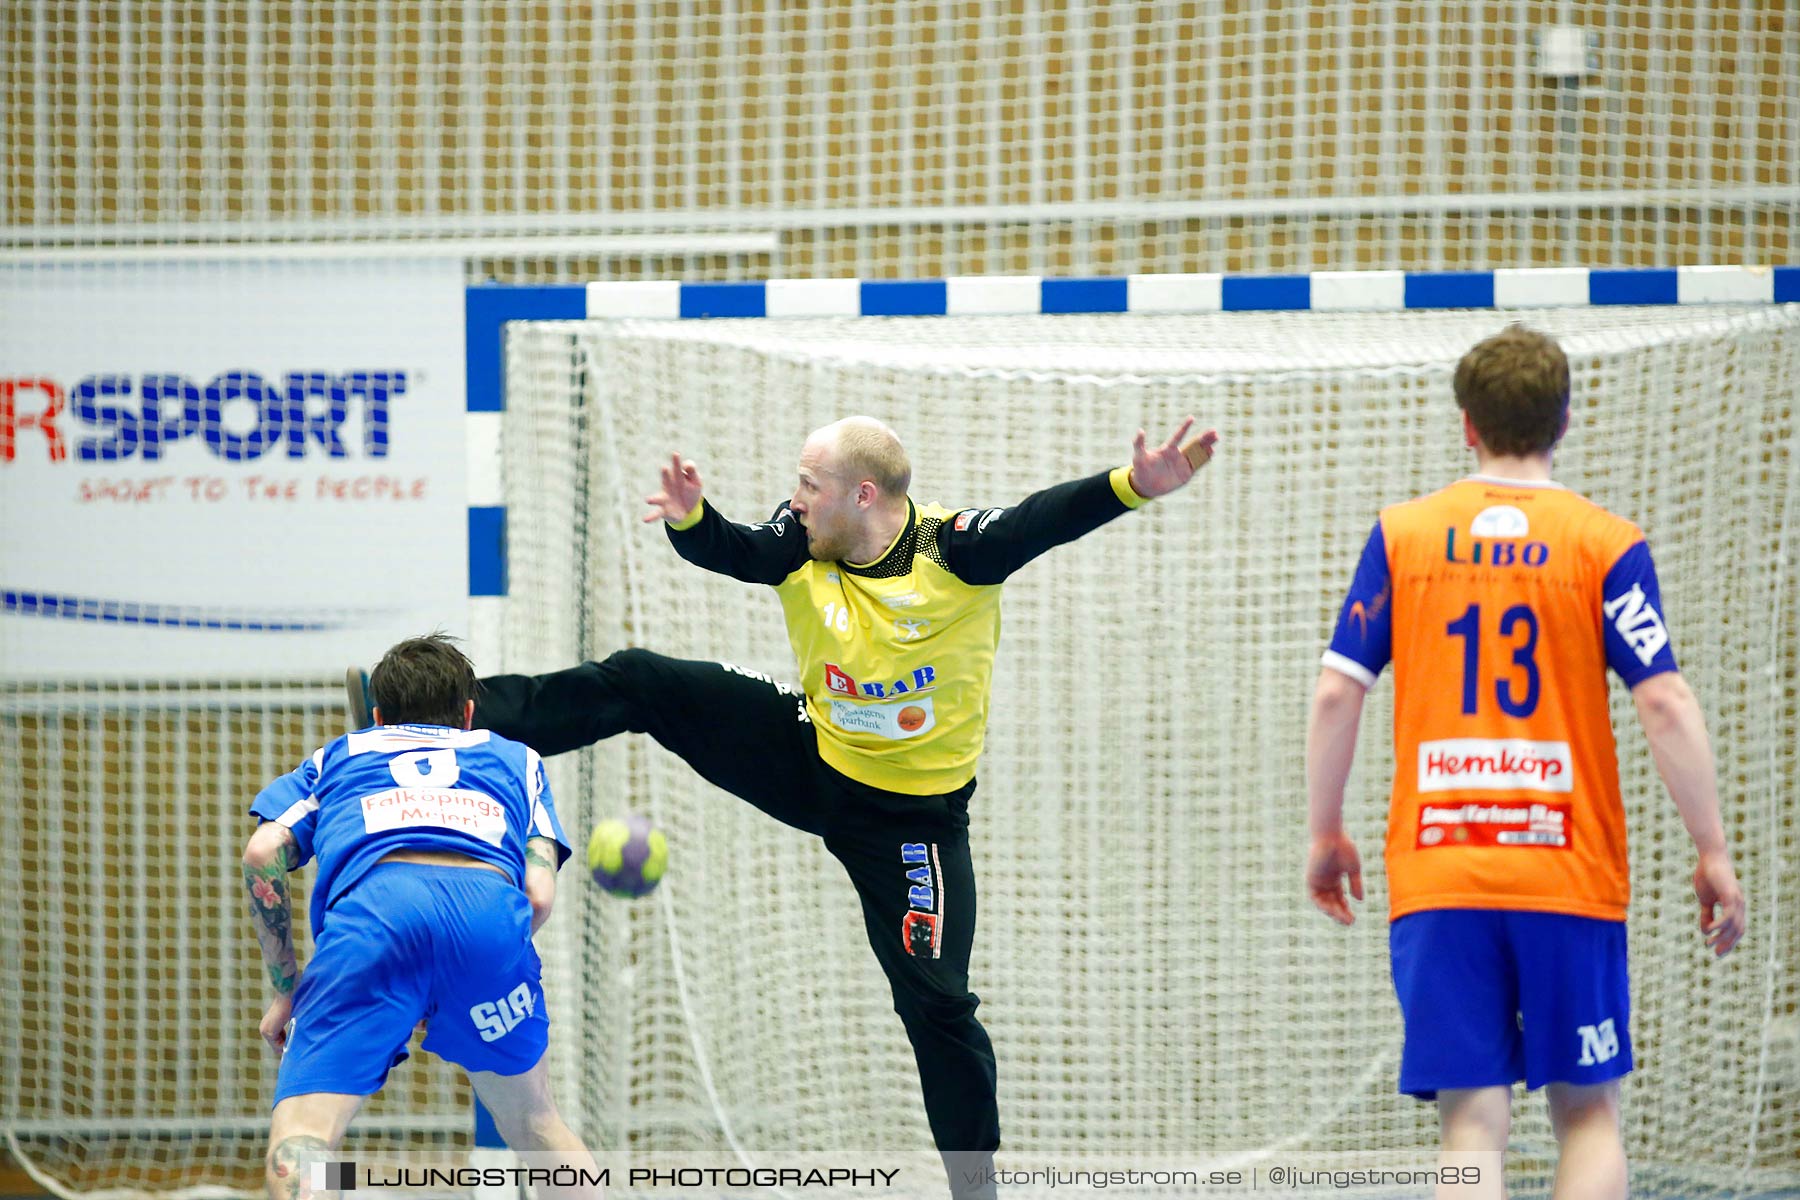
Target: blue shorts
1492 996
410 942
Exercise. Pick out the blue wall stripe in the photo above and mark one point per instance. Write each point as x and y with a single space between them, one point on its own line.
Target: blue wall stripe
104 611
723 300
1265 293
487 551
1787 285
1085 295
1450 289
905 298
1633 287
489 306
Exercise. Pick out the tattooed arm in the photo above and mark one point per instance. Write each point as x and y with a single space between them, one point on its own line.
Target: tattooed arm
271 854
540 879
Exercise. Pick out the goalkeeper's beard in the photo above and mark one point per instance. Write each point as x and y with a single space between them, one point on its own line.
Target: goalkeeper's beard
826 547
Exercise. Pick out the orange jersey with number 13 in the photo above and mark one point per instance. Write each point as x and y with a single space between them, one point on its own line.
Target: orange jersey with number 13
1501 605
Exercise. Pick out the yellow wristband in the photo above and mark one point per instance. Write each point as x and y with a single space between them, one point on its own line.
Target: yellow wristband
1121 485
691 520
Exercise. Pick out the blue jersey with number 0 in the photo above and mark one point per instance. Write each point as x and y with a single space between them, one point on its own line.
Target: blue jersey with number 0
420 787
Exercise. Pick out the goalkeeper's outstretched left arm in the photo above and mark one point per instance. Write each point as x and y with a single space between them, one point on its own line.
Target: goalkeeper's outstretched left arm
987 546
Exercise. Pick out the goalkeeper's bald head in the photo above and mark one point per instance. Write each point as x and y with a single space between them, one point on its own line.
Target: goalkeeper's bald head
862 449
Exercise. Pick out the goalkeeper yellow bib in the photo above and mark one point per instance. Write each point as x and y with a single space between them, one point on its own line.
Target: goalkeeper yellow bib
895 661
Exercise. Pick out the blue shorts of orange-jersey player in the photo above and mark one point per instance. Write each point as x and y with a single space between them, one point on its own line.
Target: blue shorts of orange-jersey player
1491 997
413 942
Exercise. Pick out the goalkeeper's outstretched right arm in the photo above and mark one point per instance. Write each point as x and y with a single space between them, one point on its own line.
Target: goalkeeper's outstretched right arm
766 553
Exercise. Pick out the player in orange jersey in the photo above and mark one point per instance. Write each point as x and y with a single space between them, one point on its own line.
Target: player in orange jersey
1501 601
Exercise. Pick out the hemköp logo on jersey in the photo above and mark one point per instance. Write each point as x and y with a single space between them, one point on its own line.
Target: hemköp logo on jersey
1495 764
238 415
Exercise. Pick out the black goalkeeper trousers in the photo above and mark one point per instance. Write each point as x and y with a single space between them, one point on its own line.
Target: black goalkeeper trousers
908 856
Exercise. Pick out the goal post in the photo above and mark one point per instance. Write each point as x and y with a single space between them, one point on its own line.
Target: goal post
1151 972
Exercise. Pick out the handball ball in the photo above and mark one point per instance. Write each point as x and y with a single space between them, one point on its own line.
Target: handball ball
627 855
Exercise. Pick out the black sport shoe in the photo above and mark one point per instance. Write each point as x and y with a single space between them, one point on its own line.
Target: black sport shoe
356 699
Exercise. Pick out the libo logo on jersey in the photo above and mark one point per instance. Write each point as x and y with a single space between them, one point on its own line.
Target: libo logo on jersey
1494 552
238 415
1496 539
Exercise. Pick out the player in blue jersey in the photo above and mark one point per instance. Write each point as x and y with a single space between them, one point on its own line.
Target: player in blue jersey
438 848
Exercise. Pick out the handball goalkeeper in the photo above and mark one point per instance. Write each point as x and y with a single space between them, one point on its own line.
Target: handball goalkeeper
893 610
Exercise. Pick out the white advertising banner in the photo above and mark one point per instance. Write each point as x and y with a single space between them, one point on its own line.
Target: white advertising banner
228 470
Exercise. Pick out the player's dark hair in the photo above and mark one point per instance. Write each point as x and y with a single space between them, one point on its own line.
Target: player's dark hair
423 681
1515 388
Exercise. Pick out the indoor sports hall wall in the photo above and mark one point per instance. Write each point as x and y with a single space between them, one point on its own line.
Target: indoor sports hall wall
883 139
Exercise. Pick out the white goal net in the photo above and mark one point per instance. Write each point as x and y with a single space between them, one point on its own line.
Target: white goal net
1152 974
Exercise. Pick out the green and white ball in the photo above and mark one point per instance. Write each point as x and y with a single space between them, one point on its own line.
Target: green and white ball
628 855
